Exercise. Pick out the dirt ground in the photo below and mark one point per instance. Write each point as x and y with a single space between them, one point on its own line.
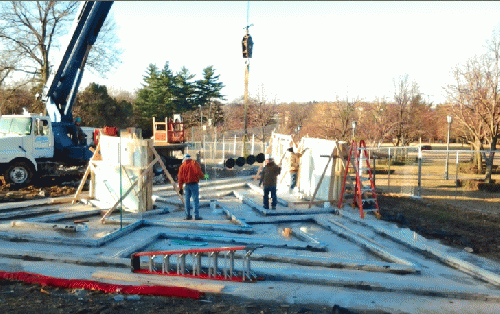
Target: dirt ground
456 226
18 297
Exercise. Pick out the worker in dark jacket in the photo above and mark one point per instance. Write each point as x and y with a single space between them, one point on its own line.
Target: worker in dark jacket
81 137
189 175
269 177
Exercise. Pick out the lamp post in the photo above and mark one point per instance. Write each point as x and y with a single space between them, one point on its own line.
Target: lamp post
353 129
201 123
449 120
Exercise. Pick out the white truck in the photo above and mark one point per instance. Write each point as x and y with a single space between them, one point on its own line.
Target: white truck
25 140
34 144
27 148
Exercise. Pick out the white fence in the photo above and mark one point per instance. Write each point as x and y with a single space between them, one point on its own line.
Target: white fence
217 150
417 173
435 173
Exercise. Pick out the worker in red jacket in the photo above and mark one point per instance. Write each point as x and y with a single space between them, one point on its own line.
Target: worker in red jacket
189 175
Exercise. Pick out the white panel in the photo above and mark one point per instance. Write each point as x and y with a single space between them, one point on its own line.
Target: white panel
312 164
113 179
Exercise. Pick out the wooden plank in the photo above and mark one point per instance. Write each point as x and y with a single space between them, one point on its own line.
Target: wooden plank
87 171
332 156
64 200
28 212
313 202
36 203
176 188
335 180
285 174
109 211
259 173
173 281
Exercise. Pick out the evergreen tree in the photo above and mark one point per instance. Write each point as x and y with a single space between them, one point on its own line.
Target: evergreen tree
163 93
156 97
97 109
185 91
209 87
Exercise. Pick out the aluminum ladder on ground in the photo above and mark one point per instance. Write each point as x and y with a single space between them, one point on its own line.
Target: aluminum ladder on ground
212 257
359 180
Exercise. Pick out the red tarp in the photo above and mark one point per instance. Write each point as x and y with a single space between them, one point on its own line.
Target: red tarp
104 287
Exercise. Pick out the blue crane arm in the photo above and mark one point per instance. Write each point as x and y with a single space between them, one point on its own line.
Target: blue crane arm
61 88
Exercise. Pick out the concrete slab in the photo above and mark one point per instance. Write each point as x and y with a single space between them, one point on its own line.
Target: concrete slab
327 259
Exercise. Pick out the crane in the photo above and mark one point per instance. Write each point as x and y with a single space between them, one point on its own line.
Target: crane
62 86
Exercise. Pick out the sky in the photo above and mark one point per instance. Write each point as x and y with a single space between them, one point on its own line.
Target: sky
303 50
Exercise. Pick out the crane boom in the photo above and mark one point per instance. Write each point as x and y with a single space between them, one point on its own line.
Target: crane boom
61 88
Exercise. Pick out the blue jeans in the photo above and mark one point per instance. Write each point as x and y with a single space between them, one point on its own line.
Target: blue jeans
293 179
192 190
274 199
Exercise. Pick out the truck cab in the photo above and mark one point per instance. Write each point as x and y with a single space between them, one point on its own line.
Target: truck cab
24 141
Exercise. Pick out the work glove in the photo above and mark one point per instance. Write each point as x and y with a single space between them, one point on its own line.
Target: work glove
181 191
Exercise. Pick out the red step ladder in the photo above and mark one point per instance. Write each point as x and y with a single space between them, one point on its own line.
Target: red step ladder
197 268
363 194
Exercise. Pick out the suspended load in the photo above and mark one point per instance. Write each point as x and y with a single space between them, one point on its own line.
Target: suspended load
247 45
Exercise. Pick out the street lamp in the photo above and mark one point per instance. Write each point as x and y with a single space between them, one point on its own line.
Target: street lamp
449 120
201 118
353 129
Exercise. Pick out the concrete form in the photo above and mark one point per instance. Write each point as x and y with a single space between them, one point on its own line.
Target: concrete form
123 165
330 257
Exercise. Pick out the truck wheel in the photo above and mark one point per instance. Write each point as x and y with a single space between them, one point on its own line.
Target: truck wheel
18 173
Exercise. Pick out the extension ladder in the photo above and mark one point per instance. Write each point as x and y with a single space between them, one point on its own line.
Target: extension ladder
211 271
364 196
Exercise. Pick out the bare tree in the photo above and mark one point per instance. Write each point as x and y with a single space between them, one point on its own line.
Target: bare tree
7 65
264 112
31 30
476 101
13 99
233 115
405 96
260 115
294 119
332 120
376 121
122 95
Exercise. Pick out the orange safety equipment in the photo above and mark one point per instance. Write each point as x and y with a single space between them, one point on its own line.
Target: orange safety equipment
189 172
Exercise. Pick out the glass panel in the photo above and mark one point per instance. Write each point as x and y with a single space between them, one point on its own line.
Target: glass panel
5 125
20 126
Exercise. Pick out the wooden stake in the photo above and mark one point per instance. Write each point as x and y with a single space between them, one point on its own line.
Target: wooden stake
176 188
259 171
333 176
109 211
87 171
323 174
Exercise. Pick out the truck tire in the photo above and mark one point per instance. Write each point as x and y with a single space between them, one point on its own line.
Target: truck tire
19 173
